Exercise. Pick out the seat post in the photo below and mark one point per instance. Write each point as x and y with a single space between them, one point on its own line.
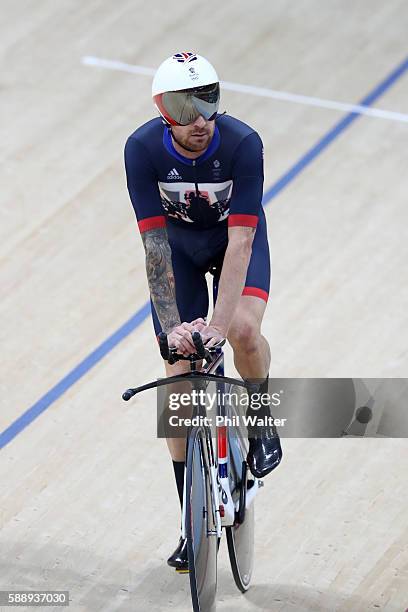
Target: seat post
220 369
215 288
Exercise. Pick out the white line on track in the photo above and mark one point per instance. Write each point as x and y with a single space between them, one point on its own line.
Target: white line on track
263 92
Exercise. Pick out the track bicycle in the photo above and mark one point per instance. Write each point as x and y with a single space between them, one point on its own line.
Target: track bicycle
219 490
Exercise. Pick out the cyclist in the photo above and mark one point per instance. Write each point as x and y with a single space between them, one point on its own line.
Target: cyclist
195 179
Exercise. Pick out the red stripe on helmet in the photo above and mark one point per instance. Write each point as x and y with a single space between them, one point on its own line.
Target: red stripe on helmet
158 100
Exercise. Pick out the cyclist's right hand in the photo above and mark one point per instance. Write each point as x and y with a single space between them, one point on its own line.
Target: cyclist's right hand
180 336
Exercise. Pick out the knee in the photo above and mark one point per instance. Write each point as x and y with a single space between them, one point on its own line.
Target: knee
244 334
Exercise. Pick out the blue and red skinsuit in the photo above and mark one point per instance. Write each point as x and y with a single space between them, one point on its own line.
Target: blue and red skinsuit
197 200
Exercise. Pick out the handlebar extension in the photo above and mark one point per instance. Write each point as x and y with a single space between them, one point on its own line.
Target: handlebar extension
170 353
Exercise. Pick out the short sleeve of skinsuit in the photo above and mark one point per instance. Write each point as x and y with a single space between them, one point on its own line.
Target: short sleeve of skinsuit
142 186
248 176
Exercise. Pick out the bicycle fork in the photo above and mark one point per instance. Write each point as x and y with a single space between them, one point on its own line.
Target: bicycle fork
214 501
227 507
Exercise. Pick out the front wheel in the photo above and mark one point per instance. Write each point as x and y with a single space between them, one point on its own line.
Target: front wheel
200 523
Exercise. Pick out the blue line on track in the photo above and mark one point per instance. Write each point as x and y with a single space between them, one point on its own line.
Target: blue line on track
335 131
74 375
103 349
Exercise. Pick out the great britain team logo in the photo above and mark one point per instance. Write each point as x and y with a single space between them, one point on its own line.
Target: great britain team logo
185 57
183 201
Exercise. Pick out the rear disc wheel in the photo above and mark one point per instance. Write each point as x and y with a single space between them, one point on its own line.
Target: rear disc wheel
240 540
240 536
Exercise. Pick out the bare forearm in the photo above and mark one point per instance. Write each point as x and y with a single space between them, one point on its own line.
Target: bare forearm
160 277
231 284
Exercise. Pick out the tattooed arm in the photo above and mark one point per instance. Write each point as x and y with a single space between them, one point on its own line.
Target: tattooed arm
160 277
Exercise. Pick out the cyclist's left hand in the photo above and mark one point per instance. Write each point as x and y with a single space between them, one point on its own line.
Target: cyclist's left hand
211 336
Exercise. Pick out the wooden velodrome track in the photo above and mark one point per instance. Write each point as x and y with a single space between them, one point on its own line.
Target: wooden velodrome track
87 496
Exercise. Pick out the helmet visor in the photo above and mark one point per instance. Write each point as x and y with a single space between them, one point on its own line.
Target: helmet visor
185 106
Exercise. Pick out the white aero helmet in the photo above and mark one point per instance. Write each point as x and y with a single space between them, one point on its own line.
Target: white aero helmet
184 87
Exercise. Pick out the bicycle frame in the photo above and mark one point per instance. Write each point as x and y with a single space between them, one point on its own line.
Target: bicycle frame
224 506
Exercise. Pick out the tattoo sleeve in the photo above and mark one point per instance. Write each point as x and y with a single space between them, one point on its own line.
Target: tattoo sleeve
160 277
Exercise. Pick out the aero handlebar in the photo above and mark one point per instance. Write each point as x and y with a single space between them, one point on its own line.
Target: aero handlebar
170 354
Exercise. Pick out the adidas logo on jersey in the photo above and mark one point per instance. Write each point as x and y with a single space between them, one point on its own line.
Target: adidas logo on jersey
173 174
